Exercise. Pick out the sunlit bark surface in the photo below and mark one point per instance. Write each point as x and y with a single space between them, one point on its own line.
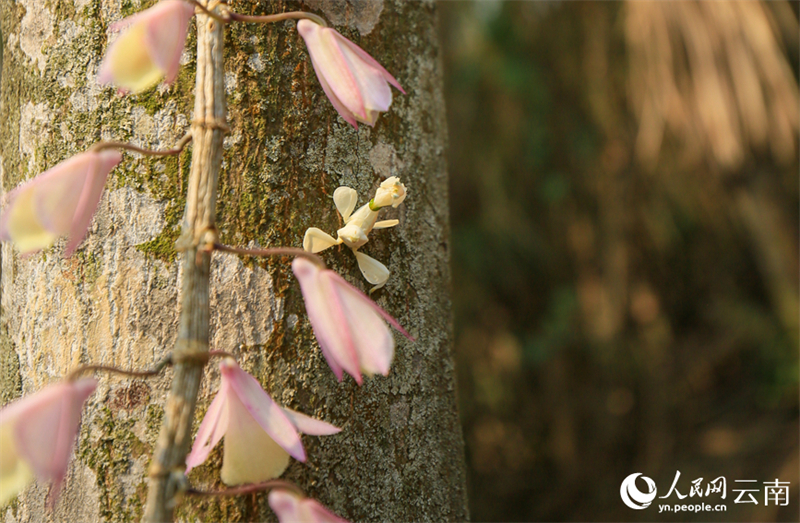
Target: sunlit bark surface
114 302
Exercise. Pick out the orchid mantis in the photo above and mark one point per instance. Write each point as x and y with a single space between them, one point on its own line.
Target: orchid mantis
358 225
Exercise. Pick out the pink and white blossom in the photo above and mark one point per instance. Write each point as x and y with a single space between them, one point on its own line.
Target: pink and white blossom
350 328
355 83
37 434
149 49
293 508
259 435
58 202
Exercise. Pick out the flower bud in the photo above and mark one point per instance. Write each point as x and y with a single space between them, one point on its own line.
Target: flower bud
37 434
350 328
355 83
58 202
150 48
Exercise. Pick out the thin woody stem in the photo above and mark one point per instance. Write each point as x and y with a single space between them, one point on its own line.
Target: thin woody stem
273 251
191 347
85 369
269 19
199 357
222 18
246 489
179 147
228 16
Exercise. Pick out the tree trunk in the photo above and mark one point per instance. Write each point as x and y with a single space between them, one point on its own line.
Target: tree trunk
400 455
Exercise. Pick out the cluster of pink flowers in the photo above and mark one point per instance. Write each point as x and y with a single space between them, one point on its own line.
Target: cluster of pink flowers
37 433
148 50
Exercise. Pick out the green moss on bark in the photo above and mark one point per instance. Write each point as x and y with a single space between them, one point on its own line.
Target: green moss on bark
10 379
110 456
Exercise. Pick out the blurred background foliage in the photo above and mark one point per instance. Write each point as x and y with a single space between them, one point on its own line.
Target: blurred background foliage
624 195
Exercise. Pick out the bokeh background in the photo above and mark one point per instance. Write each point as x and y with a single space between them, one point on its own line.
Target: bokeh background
624 195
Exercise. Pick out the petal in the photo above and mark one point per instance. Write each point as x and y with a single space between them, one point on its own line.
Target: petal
79 391
59 201
372 116
371 62
21 225
309 425
48 426
292 508
372 85
374 343
262 408
316 240
128 63
15 474
139 18
330 64
345 199
42 209
385 224
286 506
250 454
342 285
327 319
211 430
58 190
150 48
374 271
105 161
343 111
166 35
311 510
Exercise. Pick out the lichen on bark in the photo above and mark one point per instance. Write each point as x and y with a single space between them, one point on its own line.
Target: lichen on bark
399 457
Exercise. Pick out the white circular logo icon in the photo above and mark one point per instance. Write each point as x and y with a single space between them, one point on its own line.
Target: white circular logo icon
635 498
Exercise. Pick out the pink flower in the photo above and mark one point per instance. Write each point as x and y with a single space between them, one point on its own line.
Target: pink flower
150 48
354 82
59 201
37 434
349 326
292 508
259 435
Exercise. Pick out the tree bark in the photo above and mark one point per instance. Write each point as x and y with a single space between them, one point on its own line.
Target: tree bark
400 455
